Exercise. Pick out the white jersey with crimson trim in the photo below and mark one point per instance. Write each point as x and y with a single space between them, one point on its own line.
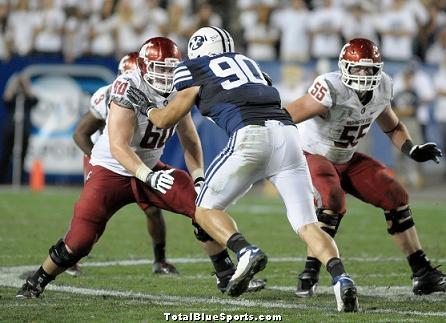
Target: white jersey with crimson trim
335 135
99 102
148 140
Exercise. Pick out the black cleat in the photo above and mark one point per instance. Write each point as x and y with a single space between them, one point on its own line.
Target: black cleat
432 280
255 284
164 268
307 282
28 290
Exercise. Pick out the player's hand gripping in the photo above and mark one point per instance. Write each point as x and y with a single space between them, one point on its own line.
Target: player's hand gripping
140 99
161 180
198 184
425 152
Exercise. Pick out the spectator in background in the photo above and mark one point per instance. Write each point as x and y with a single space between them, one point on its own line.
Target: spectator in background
398 28
205 16
75 34
293 21
437 51
440 107
429 32
405 103
17 90
262 37
156 19
325 28
48 31
103 30
21 24
176 25
358 23
291 83
130 27
5 43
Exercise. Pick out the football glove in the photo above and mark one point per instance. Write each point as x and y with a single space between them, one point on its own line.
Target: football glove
198 184
161 180
425 152
140 100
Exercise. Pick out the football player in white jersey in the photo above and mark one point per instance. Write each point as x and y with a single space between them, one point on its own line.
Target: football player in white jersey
126 168
229 88
333 116
93 121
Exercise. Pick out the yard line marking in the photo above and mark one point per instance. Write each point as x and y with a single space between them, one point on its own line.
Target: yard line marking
8 281
136 262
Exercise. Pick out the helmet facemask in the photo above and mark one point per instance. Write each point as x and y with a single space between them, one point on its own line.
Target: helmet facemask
361 83
159 75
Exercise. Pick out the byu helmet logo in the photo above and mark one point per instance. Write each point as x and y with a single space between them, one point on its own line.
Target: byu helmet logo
196 42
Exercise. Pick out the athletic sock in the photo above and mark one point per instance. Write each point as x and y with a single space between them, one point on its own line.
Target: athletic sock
335 267
40 279
222 263
312 264
418 262
159 251
237 242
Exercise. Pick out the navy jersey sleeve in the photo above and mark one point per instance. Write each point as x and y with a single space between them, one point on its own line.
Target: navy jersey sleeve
183 77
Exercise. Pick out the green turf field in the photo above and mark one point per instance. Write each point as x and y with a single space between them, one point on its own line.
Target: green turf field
117 283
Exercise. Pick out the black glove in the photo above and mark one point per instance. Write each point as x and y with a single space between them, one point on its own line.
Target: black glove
198 184
422 153
268 78
138 98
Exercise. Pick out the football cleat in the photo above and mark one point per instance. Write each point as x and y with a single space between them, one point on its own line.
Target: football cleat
164 268
255 284
74 270
307 282
345 293
251 260
28 290
432 280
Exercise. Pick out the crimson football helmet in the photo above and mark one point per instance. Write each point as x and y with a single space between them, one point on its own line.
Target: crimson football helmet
128 63
361 52
156 61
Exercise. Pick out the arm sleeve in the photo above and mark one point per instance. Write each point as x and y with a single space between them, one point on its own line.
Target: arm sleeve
322 92
183 77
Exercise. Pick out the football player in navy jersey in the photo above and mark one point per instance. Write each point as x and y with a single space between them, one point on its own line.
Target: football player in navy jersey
230 89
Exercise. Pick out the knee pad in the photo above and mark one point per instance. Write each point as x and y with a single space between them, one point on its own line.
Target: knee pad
200 234
330 221
61 257
401 220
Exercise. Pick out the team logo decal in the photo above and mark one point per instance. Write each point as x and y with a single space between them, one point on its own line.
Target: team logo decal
196 42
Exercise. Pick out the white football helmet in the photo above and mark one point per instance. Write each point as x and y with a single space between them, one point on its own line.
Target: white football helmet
208 41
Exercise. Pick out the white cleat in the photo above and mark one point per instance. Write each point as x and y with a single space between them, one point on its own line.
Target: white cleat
346 294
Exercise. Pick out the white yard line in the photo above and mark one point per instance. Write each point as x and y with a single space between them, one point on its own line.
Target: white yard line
9 277
137 262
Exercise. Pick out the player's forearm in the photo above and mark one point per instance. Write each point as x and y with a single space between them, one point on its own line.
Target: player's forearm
162 118
194 161
126 157
84 143
399 135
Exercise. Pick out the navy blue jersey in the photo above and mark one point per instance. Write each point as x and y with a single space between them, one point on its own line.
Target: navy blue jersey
233 91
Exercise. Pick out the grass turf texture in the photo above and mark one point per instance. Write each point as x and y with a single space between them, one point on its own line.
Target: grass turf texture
30 223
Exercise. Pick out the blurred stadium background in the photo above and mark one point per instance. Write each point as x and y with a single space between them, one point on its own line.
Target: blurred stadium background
67 49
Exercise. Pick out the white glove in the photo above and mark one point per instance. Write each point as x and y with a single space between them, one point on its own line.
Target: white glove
161 180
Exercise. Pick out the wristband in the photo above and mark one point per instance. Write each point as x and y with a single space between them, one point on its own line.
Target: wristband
407 147
142 172
198 173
